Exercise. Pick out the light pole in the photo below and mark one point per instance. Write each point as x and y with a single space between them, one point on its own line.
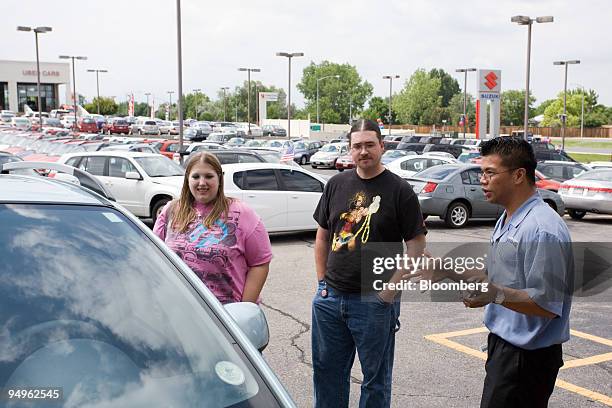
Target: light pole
97 71
225 88
249 70
71 57
390 78
197 91
289 55
180 74
147 94
528 21
37 30
564 117
170 105
465 71
320 79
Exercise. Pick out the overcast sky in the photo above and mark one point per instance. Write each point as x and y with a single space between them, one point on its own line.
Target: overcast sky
136 41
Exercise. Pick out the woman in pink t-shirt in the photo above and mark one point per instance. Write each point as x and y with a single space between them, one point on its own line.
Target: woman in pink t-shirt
221 239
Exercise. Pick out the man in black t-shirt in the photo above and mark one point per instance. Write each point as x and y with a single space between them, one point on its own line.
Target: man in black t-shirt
362 215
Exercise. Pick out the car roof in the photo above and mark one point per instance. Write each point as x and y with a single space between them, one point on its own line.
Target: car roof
560 162
20 188
117 153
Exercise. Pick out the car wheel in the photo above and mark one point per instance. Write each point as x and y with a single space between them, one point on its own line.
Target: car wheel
340 169
313 166
303 160
551 204
576 214
457 215
158 207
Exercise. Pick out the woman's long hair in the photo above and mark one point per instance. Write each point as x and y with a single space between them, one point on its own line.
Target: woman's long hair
183 212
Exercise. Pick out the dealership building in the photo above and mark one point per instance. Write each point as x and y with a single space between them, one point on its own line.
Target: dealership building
18 85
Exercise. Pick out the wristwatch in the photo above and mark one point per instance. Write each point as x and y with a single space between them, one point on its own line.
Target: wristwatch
500 296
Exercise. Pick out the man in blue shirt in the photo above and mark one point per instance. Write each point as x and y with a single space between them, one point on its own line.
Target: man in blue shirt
530 274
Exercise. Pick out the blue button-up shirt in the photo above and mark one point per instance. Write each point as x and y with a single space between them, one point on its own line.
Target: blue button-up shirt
532 252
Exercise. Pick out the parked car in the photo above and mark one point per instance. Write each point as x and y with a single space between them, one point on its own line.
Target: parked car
468 156
87 125
544 155
52 122
588 192
220 137
345 162
410 138
229 156
392 155
236 142
167 148
245 128
561 170
393 138
413 147
328 154
202 129
280 145
303 150
95 305
134 147
600 165
390 145
407 166
273 130
453 192
454 150
283 196
199 146
546 183
145 127
21 123
116 126
142 182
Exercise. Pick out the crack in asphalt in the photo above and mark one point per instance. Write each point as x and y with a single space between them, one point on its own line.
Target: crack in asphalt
305 329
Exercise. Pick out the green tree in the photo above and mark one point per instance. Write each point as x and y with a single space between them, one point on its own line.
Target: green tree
379 108
594 114
455 108
418 102
539 110
140 109
195 105
513 107
449 86
336 95
107 106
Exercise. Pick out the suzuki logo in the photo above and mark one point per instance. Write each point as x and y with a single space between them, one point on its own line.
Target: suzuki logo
491 80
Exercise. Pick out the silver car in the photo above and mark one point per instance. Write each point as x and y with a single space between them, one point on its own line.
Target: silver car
589 192
98 310
453 192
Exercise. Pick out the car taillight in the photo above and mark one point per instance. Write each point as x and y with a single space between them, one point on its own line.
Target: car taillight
429 188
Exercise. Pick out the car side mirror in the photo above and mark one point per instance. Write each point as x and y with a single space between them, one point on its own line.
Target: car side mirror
252 321
133 175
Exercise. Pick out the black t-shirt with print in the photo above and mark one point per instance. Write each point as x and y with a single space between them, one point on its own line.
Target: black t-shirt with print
366 218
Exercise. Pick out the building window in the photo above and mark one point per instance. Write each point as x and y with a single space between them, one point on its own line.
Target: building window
27 94
4 101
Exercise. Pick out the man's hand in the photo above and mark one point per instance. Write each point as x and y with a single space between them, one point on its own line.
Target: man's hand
479 298
426 272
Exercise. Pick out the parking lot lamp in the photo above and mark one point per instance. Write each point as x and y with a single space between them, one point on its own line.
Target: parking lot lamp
390 78
97 71
249 70
37 30
564 117
74 93
225 88
289 55
170 106
197 92
528 21
147 94
465 71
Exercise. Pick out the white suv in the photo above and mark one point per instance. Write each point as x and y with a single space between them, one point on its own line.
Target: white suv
142 182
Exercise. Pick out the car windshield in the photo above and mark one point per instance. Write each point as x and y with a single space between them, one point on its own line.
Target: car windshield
436 172
597 175
329 149
252 143
159 166
270 157
300 145
394 154
108 318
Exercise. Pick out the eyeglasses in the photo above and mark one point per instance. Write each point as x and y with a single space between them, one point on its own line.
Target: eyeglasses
367 146
489 174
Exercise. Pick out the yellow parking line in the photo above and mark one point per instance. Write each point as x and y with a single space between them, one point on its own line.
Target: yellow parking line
591 337
443 339
579 362
592 395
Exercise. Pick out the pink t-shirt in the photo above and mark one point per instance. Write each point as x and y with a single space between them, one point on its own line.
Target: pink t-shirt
222 255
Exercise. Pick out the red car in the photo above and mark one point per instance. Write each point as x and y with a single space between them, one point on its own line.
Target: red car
166 147
88 125
117 125
546 183
345 162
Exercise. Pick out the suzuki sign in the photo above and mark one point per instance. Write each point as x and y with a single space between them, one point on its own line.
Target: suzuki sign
488 91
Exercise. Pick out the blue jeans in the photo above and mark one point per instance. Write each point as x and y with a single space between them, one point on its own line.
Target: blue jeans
343 323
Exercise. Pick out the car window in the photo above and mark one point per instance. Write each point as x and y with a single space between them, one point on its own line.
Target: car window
261 179
226 158
172 147
298 181
435 162
414 165
73 161
93 165
118 166
471 176
552 171
238 179
91 303
575 171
